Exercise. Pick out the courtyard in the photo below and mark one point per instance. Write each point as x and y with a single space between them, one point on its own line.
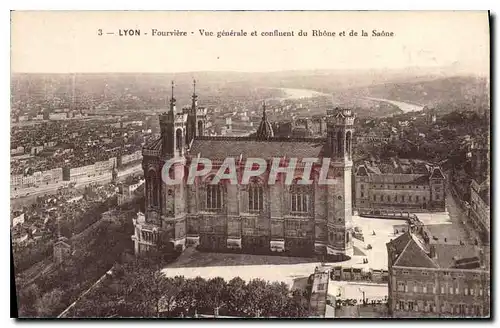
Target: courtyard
294 271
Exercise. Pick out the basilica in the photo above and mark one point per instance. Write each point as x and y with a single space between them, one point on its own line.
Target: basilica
255 217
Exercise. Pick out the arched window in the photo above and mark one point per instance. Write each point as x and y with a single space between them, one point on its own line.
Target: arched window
178 138
214 195
153 188
348 143
300 198
340 140
200 128
255 196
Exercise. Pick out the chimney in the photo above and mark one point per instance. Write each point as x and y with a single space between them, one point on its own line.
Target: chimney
432 252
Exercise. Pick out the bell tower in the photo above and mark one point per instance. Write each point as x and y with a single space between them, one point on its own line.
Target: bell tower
340 129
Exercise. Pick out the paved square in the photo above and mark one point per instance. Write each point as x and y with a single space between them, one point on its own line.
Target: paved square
294 270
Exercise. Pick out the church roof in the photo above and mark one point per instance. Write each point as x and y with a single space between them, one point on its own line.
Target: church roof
400 178
153 144
222 147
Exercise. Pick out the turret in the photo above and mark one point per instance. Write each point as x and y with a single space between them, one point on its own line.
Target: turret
340 129
265 130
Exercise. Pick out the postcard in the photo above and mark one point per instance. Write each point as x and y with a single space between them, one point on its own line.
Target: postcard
250 164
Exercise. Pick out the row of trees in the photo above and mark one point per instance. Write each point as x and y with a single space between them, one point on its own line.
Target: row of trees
95 251
140 289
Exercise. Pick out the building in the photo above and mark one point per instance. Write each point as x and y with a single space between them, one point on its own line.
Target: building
437 280
400 185
373 137
479 210
252 218
480 157
62 250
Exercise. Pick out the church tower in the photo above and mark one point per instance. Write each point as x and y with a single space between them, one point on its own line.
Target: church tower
162 227
340 128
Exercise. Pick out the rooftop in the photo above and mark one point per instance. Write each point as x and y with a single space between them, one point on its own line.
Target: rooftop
410 251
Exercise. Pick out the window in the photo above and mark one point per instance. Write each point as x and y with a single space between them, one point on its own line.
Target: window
410 306
456 290
400 305
451 290
178 138
401 286
374 197
415 289
416 198
321 286
255 197
362 187
402 198
299 196
362 194
214 197
466 291
442 289
472 291
461 309
480 292
409 198
424 289
477 310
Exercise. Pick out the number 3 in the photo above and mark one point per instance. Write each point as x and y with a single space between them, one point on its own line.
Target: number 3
99 32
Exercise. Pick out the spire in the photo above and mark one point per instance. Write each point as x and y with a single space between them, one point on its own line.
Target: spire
58 229
172 99
265 130
195 96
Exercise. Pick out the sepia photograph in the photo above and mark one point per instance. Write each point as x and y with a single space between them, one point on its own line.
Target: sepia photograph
250 164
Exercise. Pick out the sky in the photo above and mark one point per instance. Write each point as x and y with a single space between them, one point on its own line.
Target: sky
64 42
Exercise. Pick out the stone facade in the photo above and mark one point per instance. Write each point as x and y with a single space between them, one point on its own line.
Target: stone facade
257 217
398 190
437 280
479 211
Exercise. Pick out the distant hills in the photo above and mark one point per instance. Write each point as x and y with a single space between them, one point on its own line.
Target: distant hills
439 89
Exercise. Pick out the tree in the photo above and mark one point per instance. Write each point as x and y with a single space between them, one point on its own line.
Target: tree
173 288
215 293
275 299
236 295
50 303
27 298
297 306
256 291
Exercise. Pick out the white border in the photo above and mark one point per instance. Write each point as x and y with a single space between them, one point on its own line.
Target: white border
190 5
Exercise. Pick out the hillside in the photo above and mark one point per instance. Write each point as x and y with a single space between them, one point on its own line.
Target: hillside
443 94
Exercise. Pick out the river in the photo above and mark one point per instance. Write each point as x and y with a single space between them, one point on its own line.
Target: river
302 93
306 93
405 107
